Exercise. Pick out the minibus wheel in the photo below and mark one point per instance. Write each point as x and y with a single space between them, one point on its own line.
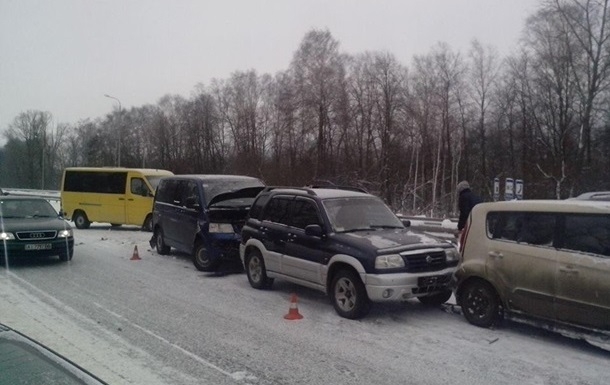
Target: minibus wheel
80 220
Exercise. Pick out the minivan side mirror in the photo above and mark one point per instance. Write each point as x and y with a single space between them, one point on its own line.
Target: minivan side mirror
191 203
314 230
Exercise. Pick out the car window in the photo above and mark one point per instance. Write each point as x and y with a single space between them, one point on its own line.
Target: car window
257 206
304 213
587 233
138 187
277 210
522 227
166 191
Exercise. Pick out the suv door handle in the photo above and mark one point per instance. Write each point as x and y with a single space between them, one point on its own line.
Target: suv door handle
495 254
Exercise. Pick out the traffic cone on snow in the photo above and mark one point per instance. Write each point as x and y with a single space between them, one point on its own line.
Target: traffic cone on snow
135 256
293 313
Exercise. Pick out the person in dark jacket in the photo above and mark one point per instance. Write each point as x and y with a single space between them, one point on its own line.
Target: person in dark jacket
466 201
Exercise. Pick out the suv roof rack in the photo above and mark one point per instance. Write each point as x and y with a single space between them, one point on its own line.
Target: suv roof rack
336 187
308 190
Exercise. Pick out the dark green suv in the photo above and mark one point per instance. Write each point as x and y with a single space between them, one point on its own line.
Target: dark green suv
345 243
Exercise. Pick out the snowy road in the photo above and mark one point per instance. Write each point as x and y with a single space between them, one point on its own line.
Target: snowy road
160 321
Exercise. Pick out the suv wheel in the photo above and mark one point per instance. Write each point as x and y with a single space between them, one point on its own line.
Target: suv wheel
435 299
256 272
162 248
480 304
80 220
348 295
202 260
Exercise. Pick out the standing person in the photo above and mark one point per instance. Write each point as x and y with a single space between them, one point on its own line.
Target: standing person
466 201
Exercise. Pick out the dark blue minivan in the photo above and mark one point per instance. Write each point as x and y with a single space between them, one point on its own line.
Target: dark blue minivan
202 215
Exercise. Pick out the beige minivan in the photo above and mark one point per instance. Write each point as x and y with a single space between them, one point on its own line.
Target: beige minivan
548 260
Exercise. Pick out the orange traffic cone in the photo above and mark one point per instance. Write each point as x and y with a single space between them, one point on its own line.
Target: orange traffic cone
135 256
293 313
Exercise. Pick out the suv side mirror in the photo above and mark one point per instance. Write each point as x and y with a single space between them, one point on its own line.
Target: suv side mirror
406 222
314 230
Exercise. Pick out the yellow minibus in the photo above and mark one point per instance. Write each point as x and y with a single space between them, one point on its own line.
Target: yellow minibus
114 195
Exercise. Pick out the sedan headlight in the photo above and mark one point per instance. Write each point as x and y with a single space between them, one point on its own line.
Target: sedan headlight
391 261
226 228
452 254
64 233
6 236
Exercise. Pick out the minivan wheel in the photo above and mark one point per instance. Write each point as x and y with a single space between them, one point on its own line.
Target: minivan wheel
202 260
162 248
480 304
80 220
348 295
435 299
256 272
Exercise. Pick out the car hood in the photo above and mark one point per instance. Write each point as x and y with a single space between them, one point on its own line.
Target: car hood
391 240
248 192
33 224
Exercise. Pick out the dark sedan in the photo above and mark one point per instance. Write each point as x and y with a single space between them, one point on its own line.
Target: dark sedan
30 226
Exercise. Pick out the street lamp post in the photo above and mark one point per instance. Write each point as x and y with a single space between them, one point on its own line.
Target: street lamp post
120 130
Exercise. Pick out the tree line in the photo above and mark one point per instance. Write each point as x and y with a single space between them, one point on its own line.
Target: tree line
406 133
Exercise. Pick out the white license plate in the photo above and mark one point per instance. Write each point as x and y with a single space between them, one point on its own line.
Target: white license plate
39 246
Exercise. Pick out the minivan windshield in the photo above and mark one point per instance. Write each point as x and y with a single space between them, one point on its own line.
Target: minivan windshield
362 213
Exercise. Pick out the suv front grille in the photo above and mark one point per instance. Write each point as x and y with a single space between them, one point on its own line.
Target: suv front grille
36 235
425 261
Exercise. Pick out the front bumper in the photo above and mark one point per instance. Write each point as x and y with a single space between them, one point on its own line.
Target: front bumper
402 286
15 248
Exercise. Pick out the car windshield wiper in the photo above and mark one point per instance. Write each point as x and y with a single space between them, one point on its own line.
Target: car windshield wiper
386 227
356 229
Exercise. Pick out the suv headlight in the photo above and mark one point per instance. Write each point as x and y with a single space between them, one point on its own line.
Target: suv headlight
6 236
452 254
226 228
67 233
391 261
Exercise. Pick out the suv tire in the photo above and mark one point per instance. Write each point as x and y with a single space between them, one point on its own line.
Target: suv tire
202 260
256 272
436 299
480 304
162 248
348 295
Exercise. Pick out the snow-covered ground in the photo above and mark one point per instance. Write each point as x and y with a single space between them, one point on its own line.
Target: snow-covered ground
160 321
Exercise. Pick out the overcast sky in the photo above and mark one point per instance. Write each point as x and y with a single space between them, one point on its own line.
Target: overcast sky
62 56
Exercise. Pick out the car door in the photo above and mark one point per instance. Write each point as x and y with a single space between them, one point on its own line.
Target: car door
522 260
139 200
583 272
188 210
274 230
304 254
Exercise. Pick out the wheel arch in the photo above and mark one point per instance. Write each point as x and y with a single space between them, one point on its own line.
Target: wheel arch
340 262
476 278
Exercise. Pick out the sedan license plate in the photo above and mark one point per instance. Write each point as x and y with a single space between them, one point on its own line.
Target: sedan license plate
38 246
435 280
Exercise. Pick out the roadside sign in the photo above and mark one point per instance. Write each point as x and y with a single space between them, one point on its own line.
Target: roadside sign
509 189
519 188
496 189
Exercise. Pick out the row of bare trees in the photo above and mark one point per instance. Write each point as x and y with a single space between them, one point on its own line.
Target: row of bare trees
408 134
